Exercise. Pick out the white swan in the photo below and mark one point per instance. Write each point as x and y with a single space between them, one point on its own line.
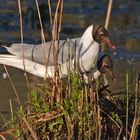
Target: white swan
85 48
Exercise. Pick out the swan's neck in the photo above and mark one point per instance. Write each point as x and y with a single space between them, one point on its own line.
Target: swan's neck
89 50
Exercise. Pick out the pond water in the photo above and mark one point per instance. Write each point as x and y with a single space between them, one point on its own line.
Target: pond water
124 29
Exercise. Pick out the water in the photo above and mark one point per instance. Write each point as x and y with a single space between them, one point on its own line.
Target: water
124 29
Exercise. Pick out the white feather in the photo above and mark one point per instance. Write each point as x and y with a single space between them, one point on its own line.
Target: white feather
87 53
33 67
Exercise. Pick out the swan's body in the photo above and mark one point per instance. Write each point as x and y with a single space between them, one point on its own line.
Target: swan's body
35 56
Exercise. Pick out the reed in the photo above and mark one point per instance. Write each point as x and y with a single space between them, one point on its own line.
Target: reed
22 39
11 110
127 106
13 86
135 123
82 114
70 108
110 3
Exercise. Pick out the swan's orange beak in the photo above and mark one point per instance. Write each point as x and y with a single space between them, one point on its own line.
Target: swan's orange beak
107 42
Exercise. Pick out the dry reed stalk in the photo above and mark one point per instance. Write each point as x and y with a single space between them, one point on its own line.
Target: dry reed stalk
87 107
111 119
60 18
55 43
69 74
59 90
43 118
135 121
118 137
46 118
8 132
33 134
98 112
15 91
127 106
133 130
52 94
5 122
21 34
55 37
69 126
82 114
108 13
11 110
136 96
93 105
42 37
2 137
50 12
59 99
50 47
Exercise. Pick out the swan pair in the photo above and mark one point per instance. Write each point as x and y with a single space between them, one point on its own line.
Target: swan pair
84 50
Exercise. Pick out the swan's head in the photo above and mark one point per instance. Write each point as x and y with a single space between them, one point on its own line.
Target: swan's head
100 35
105 66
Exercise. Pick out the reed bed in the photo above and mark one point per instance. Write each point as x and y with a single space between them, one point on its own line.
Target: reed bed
70 109
81 112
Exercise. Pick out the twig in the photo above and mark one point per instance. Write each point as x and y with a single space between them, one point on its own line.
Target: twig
42 34
111 119
127 105
50 13
44 118
118 137
15 91
2 137
33 134
54 35
60 19
98 112
21 34
135 120
11 109
108 13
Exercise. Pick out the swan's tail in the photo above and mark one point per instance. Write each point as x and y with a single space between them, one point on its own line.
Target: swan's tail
30 66
3 46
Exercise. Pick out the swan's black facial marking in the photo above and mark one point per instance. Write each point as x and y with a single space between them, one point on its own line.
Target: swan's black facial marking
98 32
100 35
105 65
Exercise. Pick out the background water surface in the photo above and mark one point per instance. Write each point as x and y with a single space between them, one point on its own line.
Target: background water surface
124 29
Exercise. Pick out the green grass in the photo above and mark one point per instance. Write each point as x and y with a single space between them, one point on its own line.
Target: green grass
81 112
